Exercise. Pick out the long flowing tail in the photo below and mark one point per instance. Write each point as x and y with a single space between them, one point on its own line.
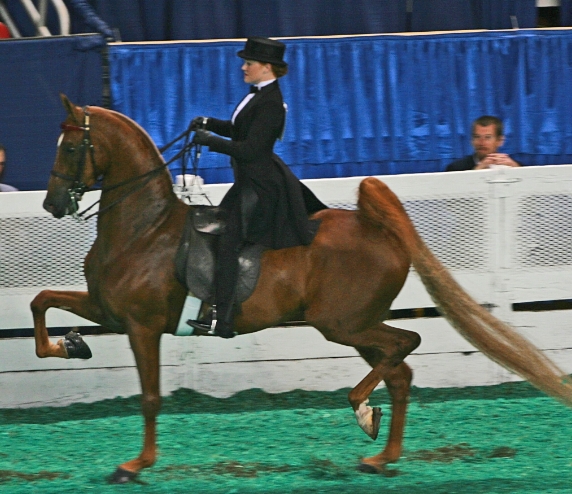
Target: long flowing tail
378 205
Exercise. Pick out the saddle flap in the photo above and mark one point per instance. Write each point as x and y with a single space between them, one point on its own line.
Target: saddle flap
195 258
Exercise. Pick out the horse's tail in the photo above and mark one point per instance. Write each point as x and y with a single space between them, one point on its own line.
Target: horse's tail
378 205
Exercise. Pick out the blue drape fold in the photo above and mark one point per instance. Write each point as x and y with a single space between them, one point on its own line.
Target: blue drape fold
367 105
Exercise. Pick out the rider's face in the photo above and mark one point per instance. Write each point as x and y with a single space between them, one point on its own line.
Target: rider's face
256 72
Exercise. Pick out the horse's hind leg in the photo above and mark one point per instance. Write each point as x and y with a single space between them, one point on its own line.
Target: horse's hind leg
78 303
385 350
397 381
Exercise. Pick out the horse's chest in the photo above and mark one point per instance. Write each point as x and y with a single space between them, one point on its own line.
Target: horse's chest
111 277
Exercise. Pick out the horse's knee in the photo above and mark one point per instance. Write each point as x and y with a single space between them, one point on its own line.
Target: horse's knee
37 305
151 405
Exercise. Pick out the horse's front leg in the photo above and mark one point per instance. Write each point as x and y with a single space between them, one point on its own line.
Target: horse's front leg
145 346
78 303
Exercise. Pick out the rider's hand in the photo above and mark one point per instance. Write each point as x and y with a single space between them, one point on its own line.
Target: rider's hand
198 123
202 137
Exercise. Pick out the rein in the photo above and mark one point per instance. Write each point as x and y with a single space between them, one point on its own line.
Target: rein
78 187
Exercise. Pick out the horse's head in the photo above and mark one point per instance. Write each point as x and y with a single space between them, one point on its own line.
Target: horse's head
74 170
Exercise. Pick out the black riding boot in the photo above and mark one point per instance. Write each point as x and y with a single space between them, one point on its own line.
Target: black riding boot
224 322
226 277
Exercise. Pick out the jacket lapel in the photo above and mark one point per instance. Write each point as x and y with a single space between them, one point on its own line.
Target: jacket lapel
265 90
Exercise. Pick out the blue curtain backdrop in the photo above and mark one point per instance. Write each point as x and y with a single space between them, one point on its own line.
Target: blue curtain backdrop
450 15
33 72
163 20
366 105
566 12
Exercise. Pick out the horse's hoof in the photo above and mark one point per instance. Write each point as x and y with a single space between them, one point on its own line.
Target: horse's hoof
75 346
376 421
367 468
369 419
121 476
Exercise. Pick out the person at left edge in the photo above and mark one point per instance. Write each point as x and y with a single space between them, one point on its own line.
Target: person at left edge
267 204
4 187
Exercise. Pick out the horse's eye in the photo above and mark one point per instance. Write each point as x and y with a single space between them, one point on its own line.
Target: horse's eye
70 150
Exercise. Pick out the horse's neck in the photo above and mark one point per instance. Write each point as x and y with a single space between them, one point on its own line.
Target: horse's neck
138 207
135 199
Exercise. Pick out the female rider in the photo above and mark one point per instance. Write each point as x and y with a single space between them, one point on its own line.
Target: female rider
267 204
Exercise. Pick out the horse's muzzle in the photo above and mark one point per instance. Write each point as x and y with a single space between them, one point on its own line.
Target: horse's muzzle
57 204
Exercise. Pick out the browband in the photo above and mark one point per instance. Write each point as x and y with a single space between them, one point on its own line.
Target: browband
72 127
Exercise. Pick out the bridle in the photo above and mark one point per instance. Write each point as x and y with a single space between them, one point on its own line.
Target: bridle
78 187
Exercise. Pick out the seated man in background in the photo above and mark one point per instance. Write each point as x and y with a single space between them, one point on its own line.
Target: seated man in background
4 187
487 137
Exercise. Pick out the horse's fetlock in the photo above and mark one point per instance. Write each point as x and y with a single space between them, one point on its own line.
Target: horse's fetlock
148 461
355 400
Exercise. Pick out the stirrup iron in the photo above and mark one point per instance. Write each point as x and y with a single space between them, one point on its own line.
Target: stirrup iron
213 321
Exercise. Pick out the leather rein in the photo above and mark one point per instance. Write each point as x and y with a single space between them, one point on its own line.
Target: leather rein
78 187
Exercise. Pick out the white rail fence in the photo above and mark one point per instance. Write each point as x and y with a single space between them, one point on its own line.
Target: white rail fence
505 234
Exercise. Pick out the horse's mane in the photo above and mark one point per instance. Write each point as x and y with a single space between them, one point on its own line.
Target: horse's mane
133 125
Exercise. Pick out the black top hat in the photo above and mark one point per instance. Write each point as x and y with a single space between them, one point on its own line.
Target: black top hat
264 50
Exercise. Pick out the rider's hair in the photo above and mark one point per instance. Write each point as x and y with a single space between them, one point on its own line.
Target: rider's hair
279 71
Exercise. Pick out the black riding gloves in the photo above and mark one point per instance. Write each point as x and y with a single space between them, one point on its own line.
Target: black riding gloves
202 137
198 123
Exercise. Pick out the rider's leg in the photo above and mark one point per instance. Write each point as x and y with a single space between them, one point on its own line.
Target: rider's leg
226 277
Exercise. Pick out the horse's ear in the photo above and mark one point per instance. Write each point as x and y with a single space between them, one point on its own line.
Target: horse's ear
69 106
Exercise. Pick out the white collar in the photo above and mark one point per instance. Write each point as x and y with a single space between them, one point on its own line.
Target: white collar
262 84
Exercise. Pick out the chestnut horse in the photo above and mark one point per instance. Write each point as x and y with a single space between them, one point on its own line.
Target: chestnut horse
342 284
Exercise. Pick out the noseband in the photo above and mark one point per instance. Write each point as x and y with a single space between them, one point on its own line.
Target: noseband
78 187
